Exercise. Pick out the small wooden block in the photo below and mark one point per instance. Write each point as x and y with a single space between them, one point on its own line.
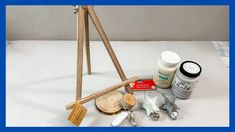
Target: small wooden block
128 101
77 114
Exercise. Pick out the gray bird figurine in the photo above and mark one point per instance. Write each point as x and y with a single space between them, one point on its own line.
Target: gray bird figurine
170 107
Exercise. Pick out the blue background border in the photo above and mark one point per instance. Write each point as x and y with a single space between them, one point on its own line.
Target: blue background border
4 3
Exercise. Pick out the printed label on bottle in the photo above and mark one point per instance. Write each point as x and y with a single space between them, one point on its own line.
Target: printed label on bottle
163 80
183 85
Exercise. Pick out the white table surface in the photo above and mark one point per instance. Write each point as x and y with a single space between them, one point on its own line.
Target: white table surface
41 78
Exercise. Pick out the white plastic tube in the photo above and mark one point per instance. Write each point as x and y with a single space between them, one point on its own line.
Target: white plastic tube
116 122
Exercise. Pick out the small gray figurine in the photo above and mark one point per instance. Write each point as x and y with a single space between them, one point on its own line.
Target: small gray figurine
170 107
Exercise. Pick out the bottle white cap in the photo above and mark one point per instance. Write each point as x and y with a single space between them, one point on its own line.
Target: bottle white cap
169 58
191 68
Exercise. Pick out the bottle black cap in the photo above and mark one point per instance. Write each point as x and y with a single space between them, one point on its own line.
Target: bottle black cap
190 74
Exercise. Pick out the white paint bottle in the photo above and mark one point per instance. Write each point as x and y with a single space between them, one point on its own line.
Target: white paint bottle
186 79
166 68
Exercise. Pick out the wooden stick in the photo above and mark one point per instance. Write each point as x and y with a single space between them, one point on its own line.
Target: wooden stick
102 92
87 45
105 40
80 37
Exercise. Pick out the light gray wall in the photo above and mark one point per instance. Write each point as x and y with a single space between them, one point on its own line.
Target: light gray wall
121 22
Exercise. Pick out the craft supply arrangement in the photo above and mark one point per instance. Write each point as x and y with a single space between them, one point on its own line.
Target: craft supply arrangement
170 73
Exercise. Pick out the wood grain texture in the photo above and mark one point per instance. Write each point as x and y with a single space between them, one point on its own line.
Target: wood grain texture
77 114
80 37
87 44
102 92
109 103
128 101
105 40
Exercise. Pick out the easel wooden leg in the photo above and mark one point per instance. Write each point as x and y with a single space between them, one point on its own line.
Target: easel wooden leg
87 44
80 37
105 40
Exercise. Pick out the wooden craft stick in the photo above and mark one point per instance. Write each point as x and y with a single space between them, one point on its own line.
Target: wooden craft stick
105 40
102 92
80 37
87 44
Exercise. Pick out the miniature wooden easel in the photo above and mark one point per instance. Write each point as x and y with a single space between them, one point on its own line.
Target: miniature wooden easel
83 36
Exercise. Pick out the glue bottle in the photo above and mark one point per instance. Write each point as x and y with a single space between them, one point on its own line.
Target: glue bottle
166 68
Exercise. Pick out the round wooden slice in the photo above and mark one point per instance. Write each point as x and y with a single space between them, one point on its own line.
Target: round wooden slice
109 103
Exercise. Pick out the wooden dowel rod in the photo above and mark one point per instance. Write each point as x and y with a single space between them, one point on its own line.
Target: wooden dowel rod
87 44
80 37
102 92
105 40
